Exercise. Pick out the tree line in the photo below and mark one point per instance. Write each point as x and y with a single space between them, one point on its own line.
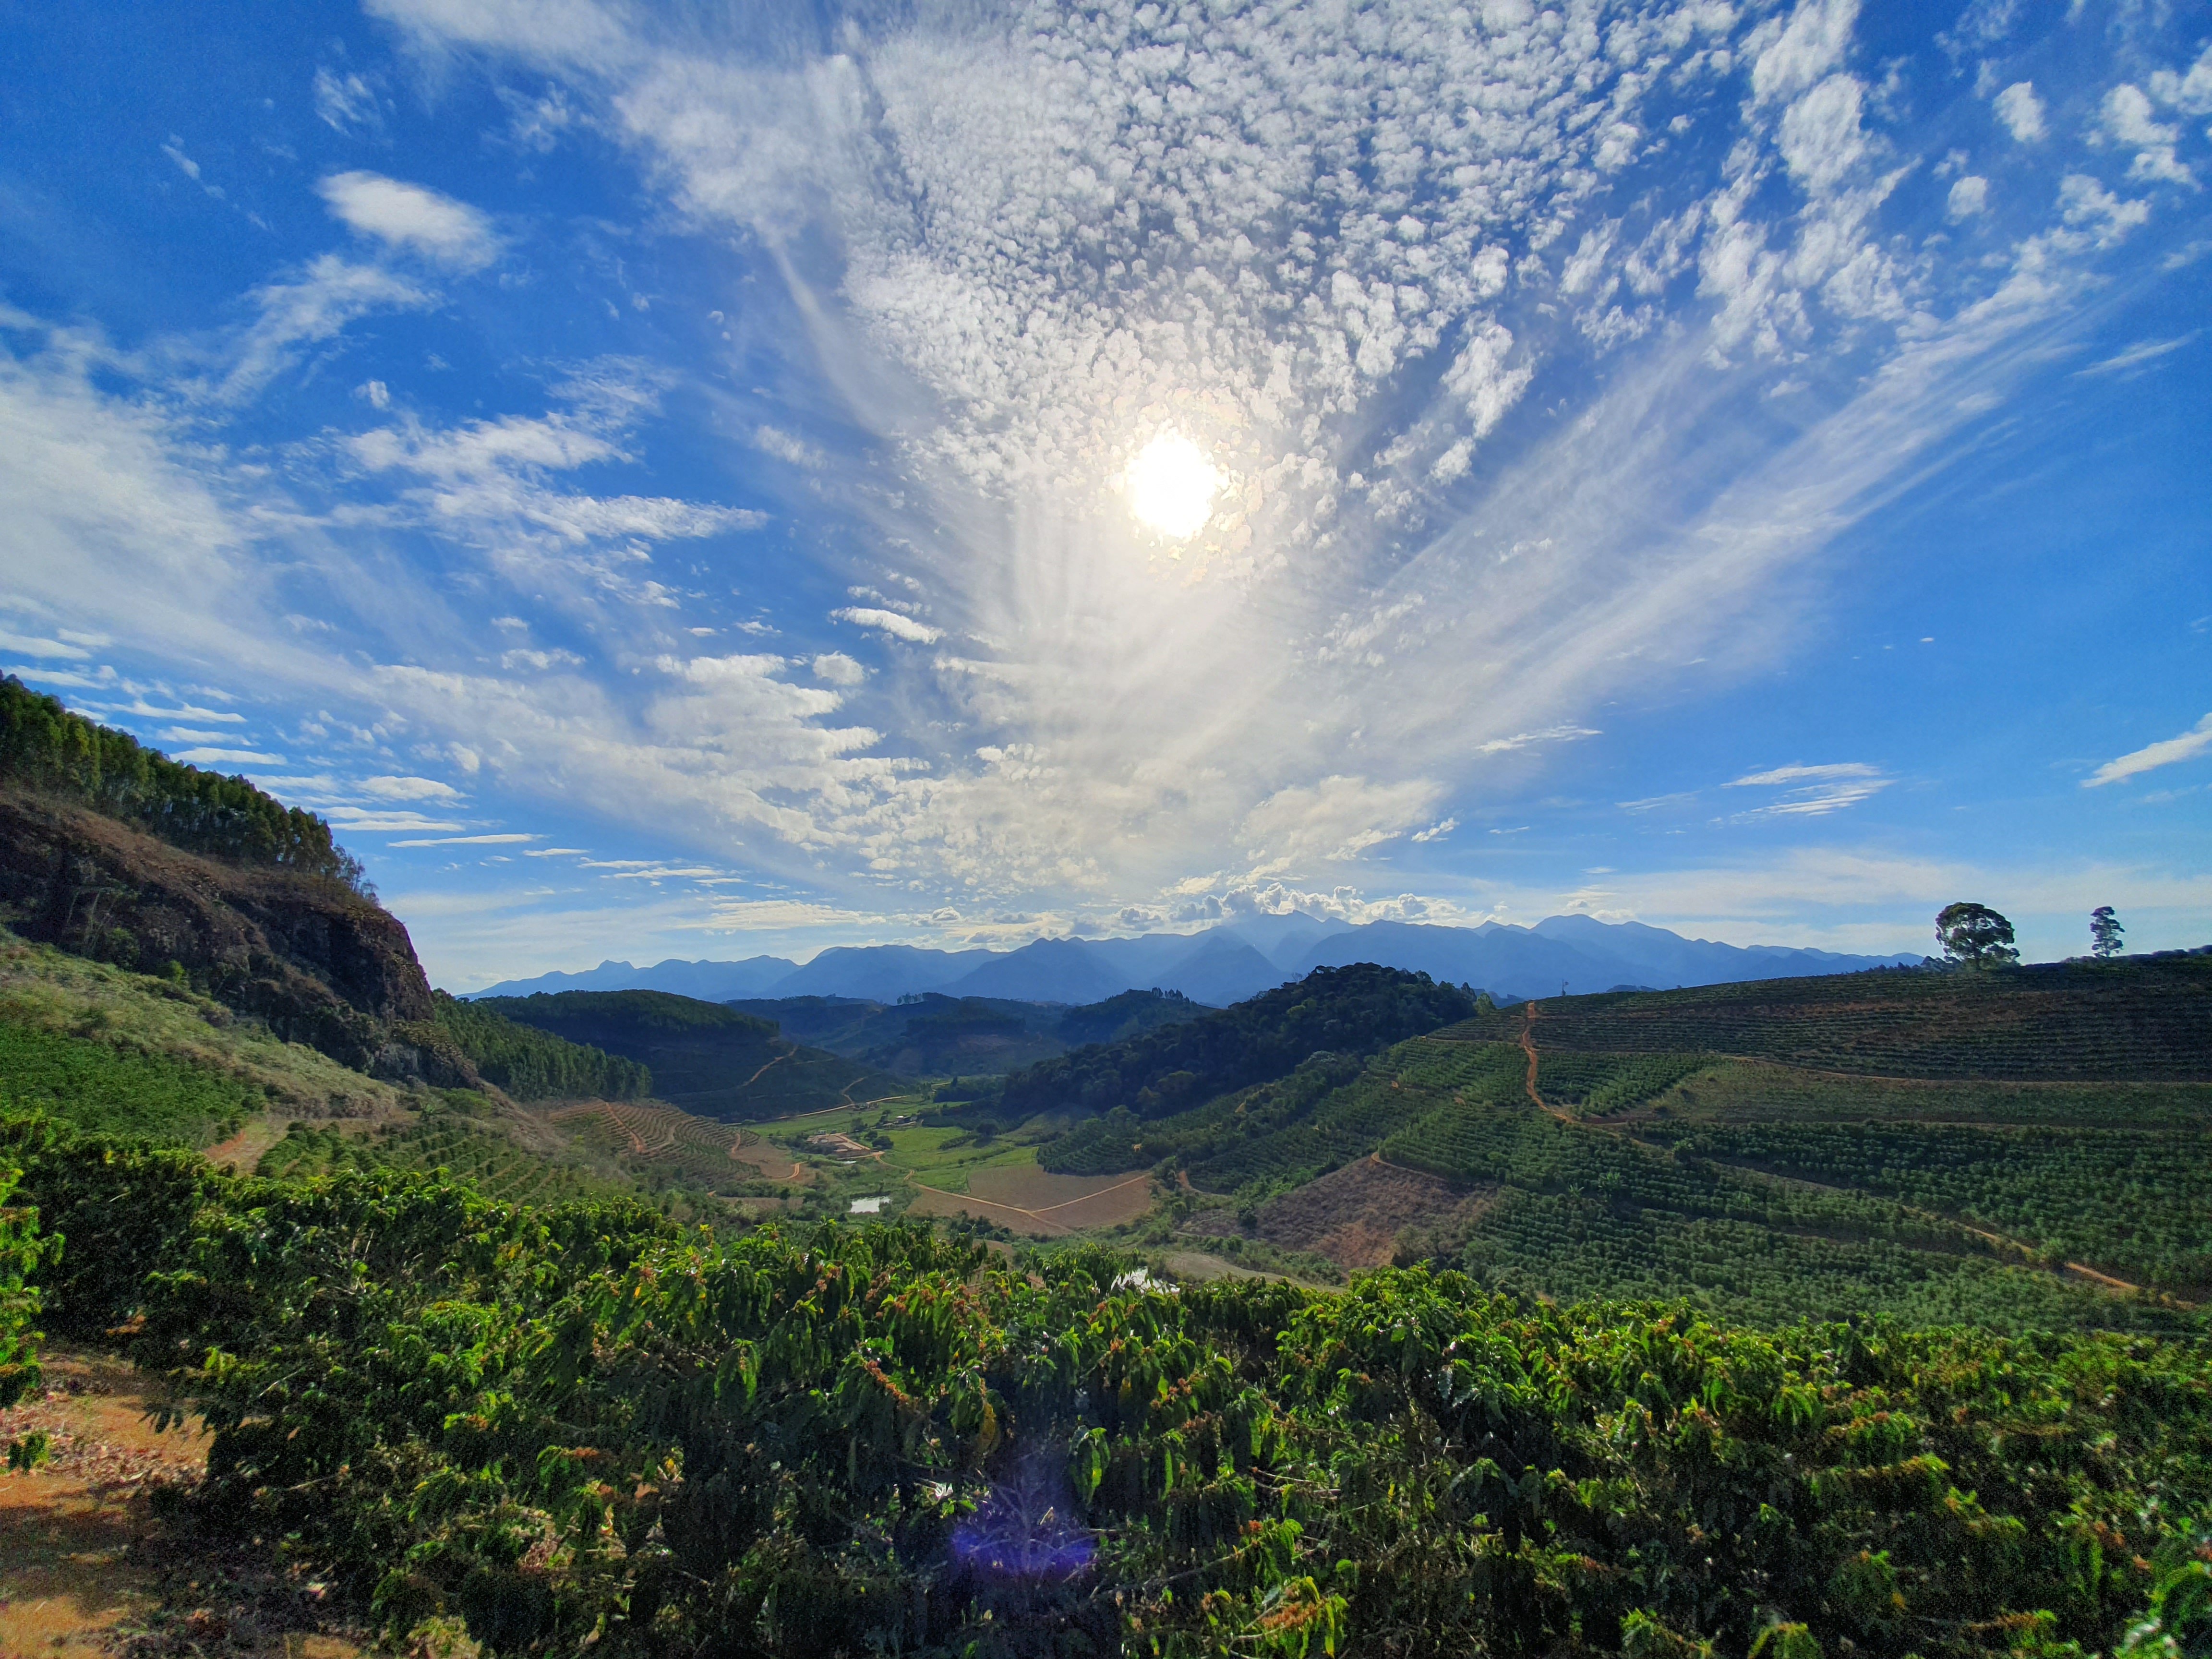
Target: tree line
45 747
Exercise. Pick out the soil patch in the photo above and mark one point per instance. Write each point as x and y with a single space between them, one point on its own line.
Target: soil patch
87 1565
1354 1215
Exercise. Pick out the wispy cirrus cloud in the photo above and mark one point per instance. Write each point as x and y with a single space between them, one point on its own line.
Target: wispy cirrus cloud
2191 743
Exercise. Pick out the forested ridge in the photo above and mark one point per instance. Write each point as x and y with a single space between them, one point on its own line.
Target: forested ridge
45 747
583 1426
1354 1010
534 1064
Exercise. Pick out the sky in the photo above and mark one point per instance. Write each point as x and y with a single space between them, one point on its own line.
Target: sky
690 480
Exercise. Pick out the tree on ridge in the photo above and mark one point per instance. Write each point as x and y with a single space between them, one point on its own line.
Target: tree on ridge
2105 931
1975 935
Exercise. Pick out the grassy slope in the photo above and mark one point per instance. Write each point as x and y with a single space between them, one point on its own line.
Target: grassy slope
1767 1191
109 1049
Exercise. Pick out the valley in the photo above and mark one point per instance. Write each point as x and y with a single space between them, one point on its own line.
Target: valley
632 1321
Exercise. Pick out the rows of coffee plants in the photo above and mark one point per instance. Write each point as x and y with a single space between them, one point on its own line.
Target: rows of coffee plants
1571 1247
661 1141
490 1160
2145 1020
2136 1203
103 1087
1741 1090
581 1427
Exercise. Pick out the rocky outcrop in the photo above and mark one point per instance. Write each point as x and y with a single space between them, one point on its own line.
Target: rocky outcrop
319 962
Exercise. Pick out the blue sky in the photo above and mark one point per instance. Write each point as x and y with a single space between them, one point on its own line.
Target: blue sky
686 480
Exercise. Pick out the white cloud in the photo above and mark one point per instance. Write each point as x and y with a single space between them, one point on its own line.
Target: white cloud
2129 119
787 446
2141 352
2190 93
227 758
1969 197
2190 744
835 668
346 102
2090 205
368 820
30 644
1562 733
412 217
1335 819
391 787
491 482
1788 774
309 308
469 840
890 623
2021 112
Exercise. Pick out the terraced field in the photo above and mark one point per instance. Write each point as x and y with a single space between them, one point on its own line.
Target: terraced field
698 1151
488 1157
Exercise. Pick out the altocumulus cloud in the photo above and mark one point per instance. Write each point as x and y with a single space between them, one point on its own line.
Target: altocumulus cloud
1454 299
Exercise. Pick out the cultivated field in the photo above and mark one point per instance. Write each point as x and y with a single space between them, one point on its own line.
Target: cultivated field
699 1151
1027 1199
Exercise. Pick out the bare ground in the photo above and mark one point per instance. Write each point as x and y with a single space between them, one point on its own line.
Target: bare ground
89 1567
1354 1215
1032 1200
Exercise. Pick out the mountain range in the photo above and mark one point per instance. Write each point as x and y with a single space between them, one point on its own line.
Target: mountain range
1234 960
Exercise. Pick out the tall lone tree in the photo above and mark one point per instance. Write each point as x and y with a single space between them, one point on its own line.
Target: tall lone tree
2105 931
1975 935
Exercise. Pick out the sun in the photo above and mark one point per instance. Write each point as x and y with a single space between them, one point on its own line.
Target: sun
1172 485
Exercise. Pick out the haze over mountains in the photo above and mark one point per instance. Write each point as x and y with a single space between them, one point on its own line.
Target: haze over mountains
1233 961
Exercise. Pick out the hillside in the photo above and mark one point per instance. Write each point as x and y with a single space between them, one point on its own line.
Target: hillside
1151 1074
706 1059
2142 1017
110 850
2018 1147
933 1035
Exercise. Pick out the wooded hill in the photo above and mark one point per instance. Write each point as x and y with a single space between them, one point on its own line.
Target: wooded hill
1353 1011
935 1036
705 1058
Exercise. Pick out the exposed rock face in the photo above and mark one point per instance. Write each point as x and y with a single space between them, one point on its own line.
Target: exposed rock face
319 962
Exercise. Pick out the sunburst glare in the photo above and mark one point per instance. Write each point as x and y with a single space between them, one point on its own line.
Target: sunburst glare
1172 486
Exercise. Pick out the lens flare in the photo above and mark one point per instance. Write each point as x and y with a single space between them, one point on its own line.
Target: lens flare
1172 486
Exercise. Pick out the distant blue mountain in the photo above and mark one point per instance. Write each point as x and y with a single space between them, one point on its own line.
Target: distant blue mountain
1233 961
709 981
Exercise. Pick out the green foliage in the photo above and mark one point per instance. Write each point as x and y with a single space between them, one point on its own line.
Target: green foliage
2106 935
22 1252
1126 1016
118 1205
529 1064
578 1426
45 747
1158 1073
103 1089
1975 935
